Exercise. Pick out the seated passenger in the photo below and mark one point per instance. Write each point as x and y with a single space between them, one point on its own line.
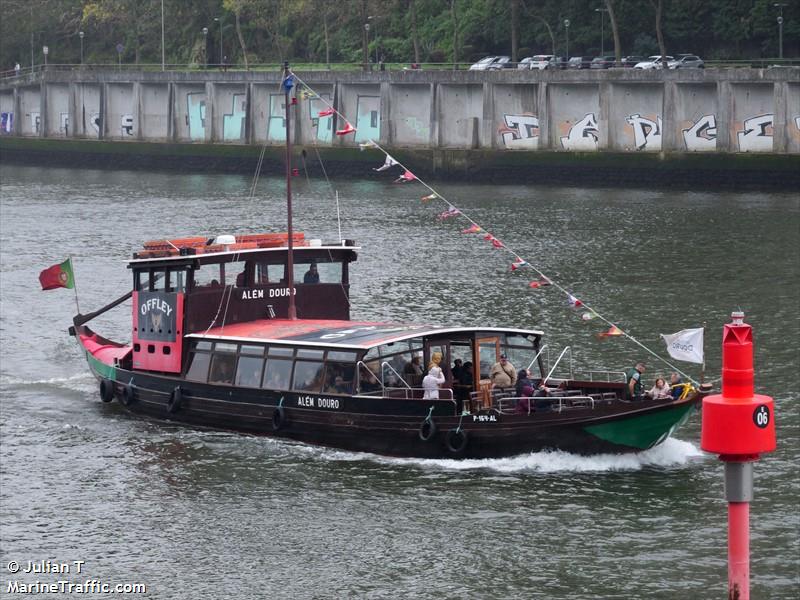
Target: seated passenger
524 403
676 386
660 390
312 275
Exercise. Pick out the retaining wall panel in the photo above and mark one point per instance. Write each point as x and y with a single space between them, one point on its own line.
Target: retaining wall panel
516 118
753 117
574 111
411 115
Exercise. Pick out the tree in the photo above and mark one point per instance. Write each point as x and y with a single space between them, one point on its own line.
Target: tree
237 7
658 5
514 29
615 30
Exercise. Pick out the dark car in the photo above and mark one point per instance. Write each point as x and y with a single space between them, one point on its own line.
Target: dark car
502 62
602 62
686 61
579 62
629 62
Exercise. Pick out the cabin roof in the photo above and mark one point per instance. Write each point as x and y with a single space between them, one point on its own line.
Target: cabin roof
358 335
215 256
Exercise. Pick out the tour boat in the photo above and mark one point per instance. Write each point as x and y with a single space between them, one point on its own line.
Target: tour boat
252 333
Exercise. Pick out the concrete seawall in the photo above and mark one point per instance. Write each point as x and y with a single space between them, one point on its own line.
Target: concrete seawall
450 117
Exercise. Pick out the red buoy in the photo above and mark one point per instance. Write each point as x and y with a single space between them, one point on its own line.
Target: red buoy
738 425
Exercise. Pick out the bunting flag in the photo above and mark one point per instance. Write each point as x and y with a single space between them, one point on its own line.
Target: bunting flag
348 128
472 229
518 265
307 94
686 345
540 283
58 276
588 316
387 164
429 197
497 243
326 113
613 331
405 177
367 144
488 237
574 302
450 212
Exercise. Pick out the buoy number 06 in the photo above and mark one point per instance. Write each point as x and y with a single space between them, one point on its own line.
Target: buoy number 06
761 416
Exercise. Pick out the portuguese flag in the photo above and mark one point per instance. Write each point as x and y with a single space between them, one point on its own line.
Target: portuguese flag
58 276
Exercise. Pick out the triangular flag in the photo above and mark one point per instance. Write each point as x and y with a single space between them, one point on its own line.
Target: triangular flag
497 243
472 229
387 164
450 212
405 177
519 263
588 316
613 331
429 197
348 128
367 144
574 302
488 237
326 113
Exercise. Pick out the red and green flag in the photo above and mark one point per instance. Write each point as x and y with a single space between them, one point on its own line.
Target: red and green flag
58 276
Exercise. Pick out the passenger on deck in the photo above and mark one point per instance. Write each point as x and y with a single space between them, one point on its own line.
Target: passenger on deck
431 382
312 275
660 390
524 405
456 370
523 379
503 375
635 387
413 371
676 386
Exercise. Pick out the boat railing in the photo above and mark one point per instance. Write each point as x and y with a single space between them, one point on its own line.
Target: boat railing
386 365
607 376
550 403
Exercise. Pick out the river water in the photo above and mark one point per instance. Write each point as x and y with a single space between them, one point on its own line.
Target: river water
203 514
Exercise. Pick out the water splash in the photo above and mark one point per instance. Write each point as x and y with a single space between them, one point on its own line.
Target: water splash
11 380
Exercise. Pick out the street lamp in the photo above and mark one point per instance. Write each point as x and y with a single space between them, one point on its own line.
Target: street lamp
45 51
205 47
80 35
163 55
375 37
219 20
602 12
366 47
566 28
779 6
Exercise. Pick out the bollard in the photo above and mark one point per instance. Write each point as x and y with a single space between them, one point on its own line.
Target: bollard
738 425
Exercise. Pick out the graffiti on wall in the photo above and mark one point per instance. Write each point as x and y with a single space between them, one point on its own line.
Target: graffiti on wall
756 134
646 132
233 122
520 132
322 126
368 124
582 135
797 122
702 135
126 125
36 122
64 124
196 115
94 121
276 123
6 122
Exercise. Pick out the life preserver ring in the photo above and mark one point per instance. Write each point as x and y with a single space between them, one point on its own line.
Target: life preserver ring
456 441
427 430
175 399
278 418
106 390
128 394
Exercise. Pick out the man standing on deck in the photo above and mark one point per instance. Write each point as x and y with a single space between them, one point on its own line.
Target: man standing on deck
503 373
635 387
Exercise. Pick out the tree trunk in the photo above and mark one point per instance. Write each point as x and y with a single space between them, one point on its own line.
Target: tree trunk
615 30
514 29
364 34
327 41
241 40
662 48
454 17
412 6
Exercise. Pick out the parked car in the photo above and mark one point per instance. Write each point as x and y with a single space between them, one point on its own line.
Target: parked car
652 62
483 64
542 62
579 62
502 62
602 62
686 61
628 62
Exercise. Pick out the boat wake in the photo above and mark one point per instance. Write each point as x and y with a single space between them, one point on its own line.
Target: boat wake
671 453
12 381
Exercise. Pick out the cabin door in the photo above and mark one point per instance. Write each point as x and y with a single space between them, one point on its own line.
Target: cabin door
486 353
443 348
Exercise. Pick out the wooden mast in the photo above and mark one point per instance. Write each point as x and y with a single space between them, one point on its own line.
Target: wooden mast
287 86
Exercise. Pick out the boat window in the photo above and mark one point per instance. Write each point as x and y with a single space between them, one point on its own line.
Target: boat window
399 366
225 347
277 374
487 356
252 350
339 378
369 377
141 280
320 270
393 348
159 280
371 354
280 351
339 355
222 368
307 353
268 273
248 371
177 280
198 366
207 276
307 376
203 346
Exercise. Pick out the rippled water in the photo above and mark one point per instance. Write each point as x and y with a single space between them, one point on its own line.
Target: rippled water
200 514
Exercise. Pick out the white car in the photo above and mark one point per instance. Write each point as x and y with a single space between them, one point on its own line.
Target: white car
541 62
484 64
652 62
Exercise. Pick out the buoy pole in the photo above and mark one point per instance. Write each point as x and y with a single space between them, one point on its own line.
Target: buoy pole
738 425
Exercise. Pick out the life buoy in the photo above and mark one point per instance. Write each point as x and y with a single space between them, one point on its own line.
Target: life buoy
456 441
128 394
106 390
427 430
175 399
278 418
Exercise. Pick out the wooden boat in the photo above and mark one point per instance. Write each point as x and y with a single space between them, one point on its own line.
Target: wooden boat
242 333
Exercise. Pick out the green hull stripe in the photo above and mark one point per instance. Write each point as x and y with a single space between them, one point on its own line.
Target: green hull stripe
643 431
102 369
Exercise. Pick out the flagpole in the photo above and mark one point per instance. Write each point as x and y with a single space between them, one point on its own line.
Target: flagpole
74 284
703 368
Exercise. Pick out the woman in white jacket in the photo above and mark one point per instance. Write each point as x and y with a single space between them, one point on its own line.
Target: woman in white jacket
431 383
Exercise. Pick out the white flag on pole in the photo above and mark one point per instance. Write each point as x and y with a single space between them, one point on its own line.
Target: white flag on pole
685 345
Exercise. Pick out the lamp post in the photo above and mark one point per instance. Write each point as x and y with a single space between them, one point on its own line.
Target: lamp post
205 47
80 35
45 51
120 48
366 47
779 6
219 20
163 51
375 37
566 28
602 12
